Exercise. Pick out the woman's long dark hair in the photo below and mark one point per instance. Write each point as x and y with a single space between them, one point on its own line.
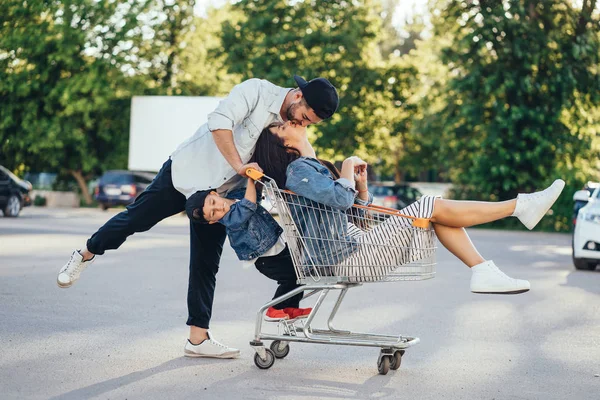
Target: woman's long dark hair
274 157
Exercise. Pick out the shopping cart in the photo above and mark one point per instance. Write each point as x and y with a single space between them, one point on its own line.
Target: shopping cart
335 250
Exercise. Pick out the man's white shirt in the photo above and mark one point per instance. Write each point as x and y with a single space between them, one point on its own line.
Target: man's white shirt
197 164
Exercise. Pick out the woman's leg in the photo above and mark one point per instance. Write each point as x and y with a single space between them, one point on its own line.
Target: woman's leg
462 214
457 241
486 278
529 208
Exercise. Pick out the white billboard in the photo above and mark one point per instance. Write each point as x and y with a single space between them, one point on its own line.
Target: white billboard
160 123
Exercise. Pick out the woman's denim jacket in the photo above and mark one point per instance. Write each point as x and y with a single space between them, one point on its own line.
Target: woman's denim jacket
325 233
250 228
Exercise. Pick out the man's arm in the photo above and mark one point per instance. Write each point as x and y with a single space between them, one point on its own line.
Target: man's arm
232 111
224 141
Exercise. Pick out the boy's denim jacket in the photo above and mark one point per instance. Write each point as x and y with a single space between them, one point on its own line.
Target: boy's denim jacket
250 228
325 233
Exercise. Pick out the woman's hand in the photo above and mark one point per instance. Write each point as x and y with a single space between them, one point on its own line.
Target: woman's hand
360 177
356 161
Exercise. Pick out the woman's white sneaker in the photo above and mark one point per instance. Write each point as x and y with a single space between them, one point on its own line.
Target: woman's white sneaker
487 278
210 348
532 207
69 274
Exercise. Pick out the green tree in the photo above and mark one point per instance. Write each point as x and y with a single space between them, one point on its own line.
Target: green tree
165 25
276 39
521 105
203 71
68 70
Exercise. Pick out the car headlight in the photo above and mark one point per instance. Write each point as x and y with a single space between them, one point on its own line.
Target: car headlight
592 217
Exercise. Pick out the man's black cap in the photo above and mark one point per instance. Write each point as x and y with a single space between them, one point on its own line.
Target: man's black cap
196 202
320 95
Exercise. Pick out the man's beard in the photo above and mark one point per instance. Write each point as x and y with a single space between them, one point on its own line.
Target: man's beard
290 112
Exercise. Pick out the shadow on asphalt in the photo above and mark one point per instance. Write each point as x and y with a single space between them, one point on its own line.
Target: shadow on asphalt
314 388
580 279
112 384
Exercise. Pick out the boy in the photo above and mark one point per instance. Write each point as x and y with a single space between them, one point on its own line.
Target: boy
255 237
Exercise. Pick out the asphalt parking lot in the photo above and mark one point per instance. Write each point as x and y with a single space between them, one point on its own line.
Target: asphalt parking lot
119 332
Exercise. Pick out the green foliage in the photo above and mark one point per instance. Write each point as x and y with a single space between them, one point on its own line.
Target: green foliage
68 70
521 104
500 97
203 71
336 40
39 201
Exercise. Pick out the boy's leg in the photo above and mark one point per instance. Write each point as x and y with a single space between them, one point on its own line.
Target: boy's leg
281 269
159 201
206 246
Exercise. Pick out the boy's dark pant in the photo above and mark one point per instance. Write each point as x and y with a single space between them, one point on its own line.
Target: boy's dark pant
159 201
281 269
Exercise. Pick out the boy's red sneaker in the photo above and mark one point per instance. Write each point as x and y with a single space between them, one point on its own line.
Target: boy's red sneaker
274 314
297 312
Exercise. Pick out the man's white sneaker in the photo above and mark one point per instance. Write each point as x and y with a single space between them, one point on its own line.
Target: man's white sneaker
69 274
532 207
487 278
210 348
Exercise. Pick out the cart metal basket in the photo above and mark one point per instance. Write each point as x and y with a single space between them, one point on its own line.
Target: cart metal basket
335 250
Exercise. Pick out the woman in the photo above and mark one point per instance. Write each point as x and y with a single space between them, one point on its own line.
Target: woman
285 154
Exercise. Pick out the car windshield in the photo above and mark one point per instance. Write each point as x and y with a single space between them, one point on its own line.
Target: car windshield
116 178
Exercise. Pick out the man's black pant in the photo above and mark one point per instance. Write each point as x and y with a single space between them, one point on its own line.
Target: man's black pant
159 201
281 269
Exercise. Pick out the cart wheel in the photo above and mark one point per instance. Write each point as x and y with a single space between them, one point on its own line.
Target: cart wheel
265 364
279 350
384 365
396 360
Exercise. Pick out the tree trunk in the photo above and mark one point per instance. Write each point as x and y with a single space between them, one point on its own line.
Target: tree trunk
87 197
398 171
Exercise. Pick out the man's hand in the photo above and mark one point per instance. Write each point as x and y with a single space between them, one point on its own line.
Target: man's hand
242 170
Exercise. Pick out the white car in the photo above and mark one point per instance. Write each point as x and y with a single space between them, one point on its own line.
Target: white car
586 236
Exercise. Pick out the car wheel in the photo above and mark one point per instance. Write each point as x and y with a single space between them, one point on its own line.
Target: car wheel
104 207
581 263
13 207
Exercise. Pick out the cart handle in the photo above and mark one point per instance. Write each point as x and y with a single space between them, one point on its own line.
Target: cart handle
417 222
254 174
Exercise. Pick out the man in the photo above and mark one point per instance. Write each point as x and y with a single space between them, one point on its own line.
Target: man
215 157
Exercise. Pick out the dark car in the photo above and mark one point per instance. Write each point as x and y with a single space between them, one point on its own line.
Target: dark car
117 188
14 193
394 195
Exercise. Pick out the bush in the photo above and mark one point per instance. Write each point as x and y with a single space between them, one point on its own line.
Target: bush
39 201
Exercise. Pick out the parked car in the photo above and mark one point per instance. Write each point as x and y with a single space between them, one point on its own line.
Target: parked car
121 187
581 198
14 193
393 195
586 235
